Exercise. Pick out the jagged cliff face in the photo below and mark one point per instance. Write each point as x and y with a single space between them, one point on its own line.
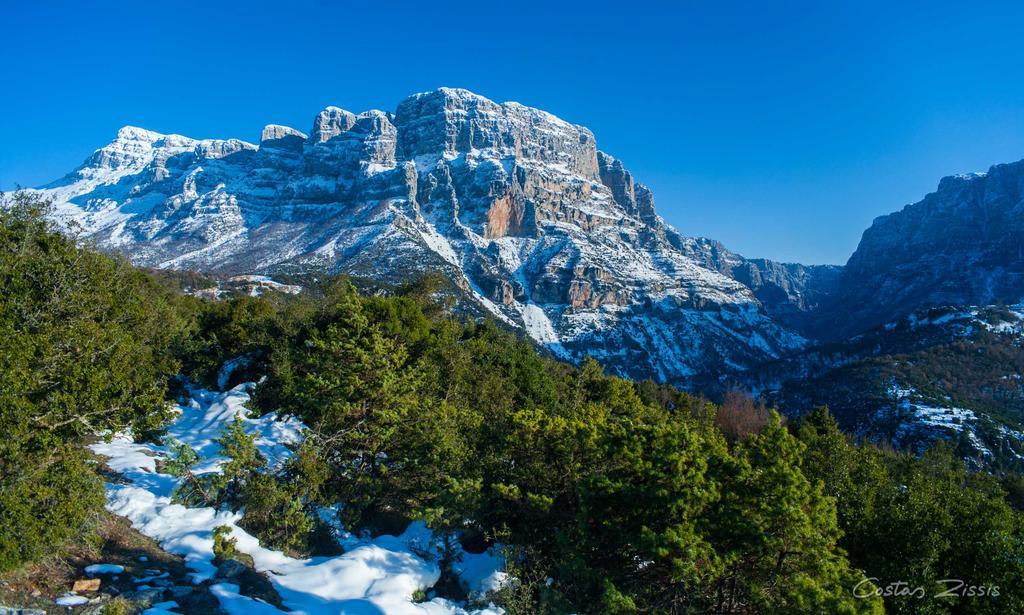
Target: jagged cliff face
518 207
790 293
961 245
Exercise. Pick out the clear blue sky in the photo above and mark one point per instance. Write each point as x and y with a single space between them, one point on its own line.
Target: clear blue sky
779 128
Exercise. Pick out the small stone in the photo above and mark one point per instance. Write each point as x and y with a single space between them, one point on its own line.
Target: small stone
145 598
86 585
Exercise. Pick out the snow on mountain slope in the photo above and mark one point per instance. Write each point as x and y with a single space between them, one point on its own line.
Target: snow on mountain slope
515 205
954 373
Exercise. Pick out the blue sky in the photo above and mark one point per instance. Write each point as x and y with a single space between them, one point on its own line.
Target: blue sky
780 128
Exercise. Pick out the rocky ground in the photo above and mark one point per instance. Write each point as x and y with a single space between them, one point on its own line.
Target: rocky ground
119 571
150 577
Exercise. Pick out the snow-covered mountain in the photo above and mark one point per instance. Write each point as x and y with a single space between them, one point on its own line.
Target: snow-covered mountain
518 207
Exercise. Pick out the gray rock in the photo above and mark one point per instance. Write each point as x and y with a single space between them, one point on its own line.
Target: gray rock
231 569
330 123
145 598
180 591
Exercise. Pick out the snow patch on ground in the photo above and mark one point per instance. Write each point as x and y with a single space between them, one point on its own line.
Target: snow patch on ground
96 569
162 608
71 599
538 325
373 576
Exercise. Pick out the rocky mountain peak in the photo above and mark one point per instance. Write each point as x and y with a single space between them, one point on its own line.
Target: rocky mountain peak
281 137
514 204
451 122
134 133
330 123
958 181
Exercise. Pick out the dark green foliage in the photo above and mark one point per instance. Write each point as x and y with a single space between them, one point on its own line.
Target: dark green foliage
920 521
625 495
83 337
241 326
85 344
277 515
225 547
778 532
46 499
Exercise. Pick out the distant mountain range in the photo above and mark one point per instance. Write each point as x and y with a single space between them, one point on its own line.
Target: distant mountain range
541 229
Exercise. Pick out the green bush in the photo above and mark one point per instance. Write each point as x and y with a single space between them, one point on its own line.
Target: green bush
85 347
224 546
276 515
46 499
182 458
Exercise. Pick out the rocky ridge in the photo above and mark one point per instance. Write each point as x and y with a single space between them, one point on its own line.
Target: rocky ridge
961 245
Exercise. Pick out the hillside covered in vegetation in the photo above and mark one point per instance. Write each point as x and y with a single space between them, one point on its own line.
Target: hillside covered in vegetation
604 495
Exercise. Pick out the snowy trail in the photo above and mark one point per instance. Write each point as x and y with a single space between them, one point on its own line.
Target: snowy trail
373 576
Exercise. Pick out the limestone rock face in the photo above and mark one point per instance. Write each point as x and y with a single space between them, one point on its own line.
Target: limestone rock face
635 198
517 206
281 137
961 245
330 123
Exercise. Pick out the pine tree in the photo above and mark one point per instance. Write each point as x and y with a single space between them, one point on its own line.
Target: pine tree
777 534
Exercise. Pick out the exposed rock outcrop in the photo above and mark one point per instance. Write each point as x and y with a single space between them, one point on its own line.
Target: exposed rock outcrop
961 245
